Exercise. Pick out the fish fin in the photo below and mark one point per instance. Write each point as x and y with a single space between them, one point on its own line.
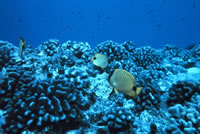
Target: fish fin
111 93
116 91
131 94
138 90
92 58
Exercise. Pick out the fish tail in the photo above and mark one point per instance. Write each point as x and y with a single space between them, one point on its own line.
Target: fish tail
138 90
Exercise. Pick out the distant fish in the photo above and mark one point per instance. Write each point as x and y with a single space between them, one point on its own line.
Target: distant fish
98 17
193 5
20 20
22 47
122 80
100 60
163 1
182 18
159 25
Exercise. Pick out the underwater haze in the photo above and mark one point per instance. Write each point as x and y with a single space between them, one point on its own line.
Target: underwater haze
100 67
147 22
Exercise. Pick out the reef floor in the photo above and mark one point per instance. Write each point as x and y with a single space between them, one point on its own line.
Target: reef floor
56 88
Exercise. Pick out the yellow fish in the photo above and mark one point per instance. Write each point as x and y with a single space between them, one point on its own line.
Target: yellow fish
22 47
123 81
100 60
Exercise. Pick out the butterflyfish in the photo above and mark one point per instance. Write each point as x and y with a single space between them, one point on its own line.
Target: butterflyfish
22 47
100 60
123 81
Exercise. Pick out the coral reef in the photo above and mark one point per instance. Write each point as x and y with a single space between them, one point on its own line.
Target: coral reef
118 119
145 56
114 51
149 98
183 57
55 88
7 54
49 103
49 47
185 118
129 46
79 49
182 91
15 80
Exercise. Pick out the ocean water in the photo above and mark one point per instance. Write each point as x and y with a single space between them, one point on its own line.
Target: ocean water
100 67
146 22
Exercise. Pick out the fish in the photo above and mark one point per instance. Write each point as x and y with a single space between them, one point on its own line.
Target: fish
22 47
100 60
123 81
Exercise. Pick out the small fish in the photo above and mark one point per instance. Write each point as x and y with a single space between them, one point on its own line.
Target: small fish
163 1
100 60
22 47
123 81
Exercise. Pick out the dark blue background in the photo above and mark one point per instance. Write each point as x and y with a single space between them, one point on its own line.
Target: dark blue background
145 22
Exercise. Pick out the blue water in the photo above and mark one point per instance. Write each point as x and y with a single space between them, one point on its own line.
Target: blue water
146 22
66 87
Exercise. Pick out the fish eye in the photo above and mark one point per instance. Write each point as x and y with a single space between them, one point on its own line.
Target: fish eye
94 58
134 88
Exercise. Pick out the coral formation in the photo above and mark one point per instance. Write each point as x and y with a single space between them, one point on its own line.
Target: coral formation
49 103
145 56
149 98
118 119
56 88
80 50
15 80
7 54
185 118
114 51
182 91
49 47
